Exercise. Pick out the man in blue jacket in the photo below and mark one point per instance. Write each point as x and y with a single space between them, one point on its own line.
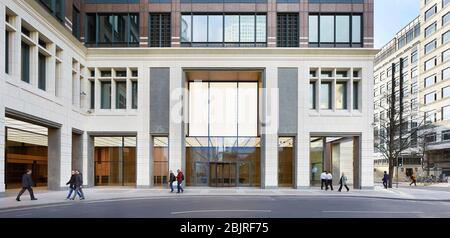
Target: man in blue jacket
385 179
27 183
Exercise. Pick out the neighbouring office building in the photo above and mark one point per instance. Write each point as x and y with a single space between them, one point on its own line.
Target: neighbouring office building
424 50
258 93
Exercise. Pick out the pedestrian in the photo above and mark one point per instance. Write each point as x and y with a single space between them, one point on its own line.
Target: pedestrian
323 179
343 182
413 180
78 185
172 179
385 180
180 178
27 183
329 181
71 184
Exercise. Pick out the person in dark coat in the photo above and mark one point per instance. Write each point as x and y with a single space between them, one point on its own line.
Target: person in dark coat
71 184
27 183
78 184
172 179
385 179
180 178
343 182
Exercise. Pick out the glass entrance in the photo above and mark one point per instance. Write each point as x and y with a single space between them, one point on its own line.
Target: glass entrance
222 174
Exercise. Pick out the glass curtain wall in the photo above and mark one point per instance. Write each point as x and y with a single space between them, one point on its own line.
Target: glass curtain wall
115 161
222 148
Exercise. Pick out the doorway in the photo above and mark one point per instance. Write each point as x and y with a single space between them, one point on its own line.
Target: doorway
222 174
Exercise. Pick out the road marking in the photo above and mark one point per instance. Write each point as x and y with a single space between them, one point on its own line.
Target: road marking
381 212
204 211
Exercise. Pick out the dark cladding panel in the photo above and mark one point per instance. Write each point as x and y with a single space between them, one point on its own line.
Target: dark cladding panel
159 100
288 100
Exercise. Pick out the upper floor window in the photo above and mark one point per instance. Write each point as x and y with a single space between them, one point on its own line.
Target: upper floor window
112 29
429 64
446 19
430 12
430 47
223 30
159 33
414 56
335 30
430 29
445 2
288 30
445 37
56 8
76 20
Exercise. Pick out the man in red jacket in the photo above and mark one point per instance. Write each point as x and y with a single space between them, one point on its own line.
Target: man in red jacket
180 178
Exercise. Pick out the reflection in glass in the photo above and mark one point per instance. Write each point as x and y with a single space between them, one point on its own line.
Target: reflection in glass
247 109
285 162
199 32
261 28
161 161
341 95
215 28
231 28
198 108
312 95
316 158
121 95
106 95
247 28
325 95
186 27
313 28
342 29
327 29
356 29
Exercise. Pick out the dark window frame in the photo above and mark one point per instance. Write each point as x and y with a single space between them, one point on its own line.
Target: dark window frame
161 27
282 36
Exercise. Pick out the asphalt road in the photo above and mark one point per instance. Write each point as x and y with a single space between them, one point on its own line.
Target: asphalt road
236 207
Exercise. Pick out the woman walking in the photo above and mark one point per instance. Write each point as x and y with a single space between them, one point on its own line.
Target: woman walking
343 182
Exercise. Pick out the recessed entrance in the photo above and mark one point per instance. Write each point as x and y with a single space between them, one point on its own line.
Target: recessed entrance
222 174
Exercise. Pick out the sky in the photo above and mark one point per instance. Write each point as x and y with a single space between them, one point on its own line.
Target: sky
391 16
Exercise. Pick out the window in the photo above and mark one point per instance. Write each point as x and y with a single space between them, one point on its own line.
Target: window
445 55
341 95
445 37
159 33
288 30
325 95
430 138
121 95
223 30
446 19
445 2
326 73
430 80
92 101
405 62
446 92
445 135
414 104
76 21
106 95
414 73
55 7
430 12
429 98
446 113
134 94
42 74
355 95
312 95
414 56
25 63
430 47
430 29
7 53
446 74
114 29
430 117
429 64
335 30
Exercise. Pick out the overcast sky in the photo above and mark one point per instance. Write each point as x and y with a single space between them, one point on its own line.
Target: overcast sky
391 16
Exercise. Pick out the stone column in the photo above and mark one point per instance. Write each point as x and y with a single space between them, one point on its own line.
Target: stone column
176 131
303 145
59 157
2 105
143 172
269 130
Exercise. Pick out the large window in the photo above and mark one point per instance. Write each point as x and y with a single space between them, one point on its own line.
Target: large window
430 12
446 92
115 29
106 95
445 19
446 113
76 22
445 37
341 95
288 30
430 80
335 30
161 161
446 74
325 95
285 161
223 30
25 63
445 55
159 33
429 98
121 95
55 7
430 29
430 47
429 64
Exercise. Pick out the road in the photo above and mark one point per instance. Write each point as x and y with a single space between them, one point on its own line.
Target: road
183 206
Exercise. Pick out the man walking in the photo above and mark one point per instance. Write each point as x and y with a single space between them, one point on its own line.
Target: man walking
323 179
78 184
329 181
172 179
71 184
413 180
180 178
27 183
343 182
385 179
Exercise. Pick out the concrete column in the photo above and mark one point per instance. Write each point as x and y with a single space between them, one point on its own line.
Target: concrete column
366 161
85 157
2 101
176 131
59 157
143 163
303 161
88 167
77 152
269 129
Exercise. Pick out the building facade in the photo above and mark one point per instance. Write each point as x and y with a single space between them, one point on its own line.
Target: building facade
235 94
424 53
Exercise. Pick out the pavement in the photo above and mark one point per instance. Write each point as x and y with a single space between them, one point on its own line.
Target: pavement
437 193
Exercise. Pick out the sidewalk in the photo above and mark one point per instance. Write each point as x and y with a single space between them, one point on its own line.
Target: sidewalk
99 194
